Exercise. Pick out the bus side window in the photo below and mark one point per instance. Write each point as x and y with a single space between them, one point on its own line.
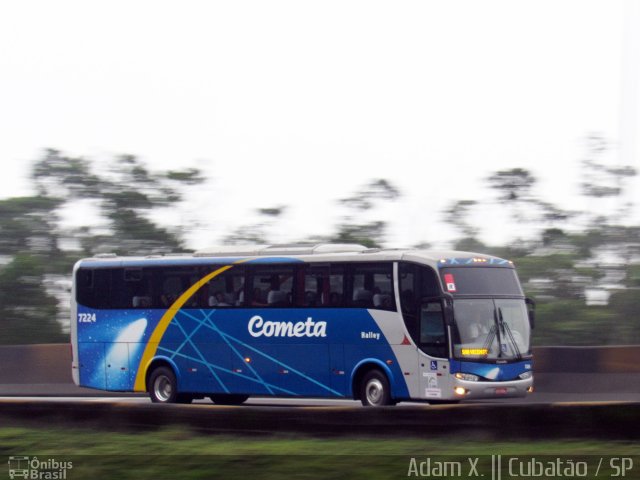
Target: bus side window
224 290
170 290
334 286
372 286
136 291
272 286
408 304
171 282
433 339
93 287
417 283
407 273
321 286
215 293
314 280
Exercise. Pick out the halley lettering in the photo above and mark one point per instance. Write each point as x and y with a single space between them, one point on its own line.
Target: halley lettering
258 328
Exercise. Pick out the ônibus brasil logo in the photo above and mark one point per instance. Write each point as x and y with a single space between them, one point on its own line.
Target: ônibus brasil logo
34 468
258 328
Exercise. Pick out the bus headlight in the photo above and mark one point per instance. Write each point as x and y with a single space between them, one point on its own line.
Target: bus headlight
469 377
525 375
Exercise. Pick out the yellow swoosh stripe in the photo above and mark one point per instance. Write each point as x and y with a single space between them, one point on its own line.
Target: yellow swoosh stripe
163 324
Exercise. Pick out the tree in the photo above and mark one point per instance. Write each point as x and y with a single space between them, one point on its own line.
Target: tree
515 192
601 182
514 188
513 185
28 224
259 232
27 312
39 250
127 195
354 226
458 214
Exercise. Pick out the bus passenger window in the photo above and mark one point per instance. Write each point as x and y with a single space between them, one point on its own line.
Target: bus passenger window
224 290
272 286
333 295
93 288
372 286
171 288
330 287
216 293
314 280
321 286
168 283
135 291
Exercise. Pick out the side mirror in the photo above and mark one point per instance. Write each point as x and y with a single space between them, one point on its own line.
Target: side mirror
531 310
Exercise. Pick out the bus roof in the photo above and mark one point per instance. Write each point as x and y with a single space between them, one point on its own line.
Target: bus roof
310 253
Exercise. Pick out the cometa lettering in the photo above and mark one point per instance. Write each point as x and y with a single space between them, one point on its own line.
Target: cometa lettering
258 328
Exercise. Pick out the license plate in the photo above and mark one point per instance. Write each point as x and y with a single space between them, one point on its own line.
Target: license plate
501 391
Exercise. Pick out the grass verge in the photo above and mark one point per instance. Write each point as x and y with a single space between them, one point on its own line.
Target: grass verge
178 453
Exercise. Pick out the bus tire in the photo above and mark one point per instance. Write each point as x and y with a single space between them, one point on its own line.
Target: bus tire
228 399
163 387
375 390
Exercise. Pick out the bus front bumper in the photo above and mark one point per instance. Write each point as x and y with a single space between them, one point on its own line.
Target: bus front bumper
463 390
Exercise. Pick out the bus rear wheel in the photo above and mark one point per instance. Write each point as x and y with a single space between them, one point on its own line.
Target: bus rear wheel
163 387
228 399
375 390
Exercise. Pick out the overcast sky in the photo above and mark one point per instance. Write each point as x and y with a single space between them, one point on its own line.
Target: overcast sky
299 103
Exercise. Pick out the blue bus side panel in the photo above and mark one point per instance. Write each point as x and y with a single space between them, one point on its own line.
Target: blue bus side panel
256 372
218 342
117 366
339 374
92 365
304 370
215 351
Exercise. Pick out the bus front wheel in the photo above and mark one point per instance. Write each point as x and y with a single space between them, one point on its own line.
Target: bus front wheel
375 390
163 387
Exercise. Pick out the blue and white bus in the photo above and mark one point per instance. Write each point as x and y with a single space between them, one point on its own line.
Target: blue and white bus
329 320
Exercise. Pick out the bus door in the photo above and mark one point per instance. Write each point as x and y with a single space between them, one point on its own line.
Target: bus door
433 360
423 312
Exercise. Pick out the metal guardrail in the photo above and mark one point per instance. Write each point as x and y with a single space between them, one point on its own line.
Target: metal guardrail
33 364
596 359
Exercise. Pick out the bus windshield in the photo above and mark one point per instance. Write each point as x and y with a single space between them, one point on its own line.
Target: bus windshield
491 329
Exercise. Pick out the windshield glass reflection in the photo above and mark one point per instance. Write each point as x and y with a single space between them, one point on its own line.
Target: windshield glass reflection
487 329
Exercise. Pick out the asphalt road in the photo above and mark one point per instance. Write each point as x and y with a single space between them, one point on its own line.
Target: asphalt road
533 399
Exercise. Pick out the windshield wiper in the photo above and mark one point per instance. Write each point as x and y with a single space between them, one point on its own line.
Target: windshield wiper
489 340
497 320
507 329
